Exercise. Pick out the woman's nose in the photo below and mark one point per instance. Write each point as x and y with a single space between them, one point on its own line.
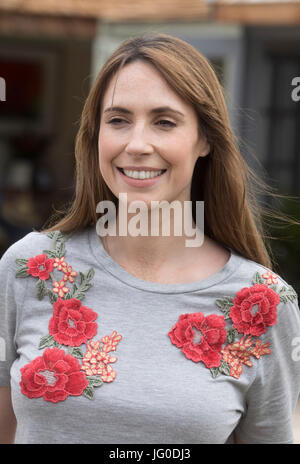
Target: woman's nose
139 141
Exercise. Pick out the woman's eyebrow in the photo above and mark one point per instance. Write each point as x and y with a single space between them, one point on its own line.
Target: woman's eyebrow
161 109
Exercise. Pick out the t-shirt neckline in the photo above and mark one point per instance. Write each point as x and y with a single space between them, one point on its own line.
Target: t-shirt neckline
112 267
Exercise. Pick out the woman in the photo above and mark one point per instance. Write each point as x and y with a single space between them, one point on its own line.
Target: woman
205 336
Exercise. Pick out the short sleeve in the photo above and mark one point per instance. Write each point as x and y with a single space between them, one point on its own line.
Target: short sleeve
11 292
272 397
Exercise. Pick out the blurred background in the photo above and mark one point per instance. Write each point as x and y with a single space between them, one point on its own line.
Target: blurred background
51 52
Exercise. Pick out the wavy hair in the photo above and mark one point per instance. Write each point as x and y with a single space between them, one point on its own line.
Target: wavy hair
223 180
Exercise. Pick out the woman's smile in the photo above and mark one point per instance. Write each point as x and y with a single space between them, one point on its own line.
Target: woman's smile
140 178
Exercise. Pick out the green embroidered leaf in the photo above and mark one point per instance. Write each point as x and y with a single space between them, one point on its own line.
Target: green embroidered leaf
57 235
82 277
73 290
90 274
225 304
231 334
215 371
50 253
257 279
41 288
84 284
46 340
58 249
56 344
224 368
86 278
76 352
287 293
62 237
61 250
52 296
274 287
89 392
95 380
79 296
22 261
84 287
51 234
22 272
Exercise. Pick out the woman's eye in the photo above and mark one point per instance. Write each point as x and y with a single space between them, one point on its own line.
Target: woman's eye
163 122
167 123
115 121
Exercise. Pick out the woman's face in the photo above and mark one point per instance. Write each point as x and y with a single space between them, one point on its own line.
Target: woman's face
141 132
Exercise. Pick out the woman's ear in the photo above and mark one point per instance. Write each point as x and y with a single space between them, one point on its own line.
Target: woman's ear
203 147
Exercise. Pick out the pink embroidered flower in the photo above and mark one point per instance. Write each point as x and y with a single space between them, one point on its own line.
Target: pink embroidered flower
53 376
260 349
60 263
212 335
254 309
270 278
69 274
96 360
239 353
60 288
72 324
40 266
236 355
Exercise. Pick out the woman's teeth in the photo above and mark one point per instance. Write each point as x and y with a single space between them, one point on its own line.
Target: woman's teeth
142 174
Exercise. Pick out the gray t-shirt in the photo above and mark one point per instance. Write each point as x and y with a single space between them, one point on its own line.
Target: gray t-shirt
94 354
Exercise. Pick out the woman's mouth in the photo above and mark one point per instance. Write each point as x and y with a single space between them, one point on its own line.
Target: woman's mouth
141 178
141 175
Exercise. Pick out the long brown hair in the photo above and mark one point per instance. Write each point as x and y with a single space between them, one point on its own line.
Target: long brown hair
222 179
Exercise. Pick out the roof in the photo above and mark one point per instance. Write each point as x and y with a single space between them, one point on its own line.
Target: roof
239 11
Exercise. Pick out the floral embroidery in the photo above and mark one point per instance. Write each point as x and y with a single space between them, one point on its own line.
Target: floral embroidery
60 263
60 288
270 278
40 266
251 312
259 349
254 309
212 332
56 374
69 274
72 324
96 360
236 354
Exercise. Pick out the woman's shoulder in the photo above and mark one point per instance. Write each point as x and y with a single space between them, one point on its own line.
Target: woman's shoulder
258 274
262 298
29 245
33 244
39 244
249 274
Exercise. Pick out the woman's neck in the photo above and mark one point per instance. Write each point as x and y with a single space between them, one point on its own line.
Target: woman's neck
157 247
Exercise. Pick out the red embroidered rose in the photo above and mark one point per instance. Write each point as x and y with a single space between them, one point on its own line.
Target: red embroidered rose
254 309
53 376
72 324
212 335
40 266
